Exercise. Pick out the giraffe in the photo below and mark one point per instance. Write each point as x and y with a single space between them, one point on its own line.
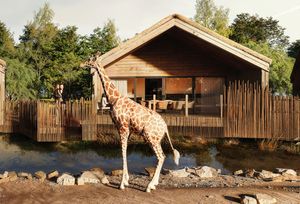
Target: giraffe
131 117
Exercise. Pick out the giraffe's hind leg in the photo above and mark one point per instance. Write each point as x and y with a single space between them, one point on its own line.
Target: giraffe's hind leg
160 157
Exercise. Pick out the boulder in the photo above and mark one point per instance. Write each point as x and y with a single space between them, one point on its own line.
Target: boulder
238 172
150 171
66 180
248 200
104 180
25 175
40 175
181 173
206 172
87 177
117 172
267 175
289 172
52 174
98 172
265 199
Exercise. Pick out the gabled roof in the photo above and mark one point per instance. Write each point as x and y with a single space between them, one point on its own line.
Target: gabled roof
193 28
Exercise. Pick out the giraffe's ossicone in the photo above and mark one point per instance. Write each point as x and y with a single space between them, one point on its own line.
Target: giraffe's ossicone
131 117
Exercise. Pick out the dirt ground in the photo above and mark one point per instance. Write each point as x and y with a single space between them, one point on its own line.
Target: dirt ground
36 192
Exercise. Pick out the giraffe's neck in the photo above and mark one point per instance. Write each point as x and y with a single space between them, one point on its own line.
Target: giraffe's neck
111 92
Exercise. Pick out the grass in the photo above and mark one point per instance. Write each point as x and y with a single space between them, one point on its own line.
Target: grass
269 145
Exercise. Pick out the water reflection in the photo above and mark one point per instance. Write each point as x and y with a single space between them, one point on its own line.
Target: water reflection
21 154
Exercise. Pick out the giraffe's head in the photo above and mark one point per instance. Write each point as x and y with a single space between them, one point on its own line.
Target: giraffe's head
92 62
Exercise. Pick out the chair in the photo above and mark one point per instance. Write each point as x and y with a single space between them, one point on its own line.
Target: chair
103 105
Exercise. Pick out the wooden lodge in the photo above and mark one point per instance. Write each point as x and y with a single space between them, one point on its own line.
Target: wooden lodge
295 77
178 57
204 85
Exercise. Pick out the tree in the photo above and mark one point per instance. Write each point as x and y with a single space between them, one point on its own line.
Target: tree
36 42
246 28
280 69
19 79
294 48
7 48
103 39
212 17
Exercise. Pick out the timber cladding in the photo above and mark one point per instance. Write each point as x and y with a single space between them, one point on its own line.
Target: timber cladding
175 54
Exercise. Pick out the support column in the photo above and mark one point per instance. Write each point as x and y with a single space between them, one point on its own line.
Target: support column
2 90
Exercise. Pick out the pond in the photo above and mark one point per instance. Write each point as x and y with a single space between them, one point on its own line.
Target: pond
18 153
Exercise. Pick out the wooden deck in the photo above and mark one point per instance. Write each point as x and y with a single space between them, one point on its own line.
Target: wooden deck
249 112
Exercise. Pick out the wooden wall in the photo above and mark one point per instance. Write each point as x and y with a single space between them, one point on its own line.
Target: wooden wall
176 53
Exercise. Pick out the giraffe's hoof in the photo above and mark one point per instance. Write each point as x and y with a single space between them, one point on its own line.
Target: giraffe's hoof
151 187
148 190
122 187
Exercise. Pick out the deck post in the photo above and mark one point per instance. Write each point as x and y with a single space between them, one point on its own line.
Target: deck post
2 90
221 105
154 102
186 105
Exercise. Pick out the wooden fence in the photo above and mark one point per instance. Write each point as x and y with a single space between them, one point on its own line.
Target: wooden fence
249 112
253 112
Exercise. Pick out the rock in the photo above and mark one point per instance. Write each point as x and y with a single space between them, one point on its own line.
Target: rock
248 200
40 175
206 172
290 172
181 173
98 172
4 180
150 171
25 175
66 180
117 172
250 173
12 175
87 177
5 174
267 175
238 173
264 199
104 180
53 174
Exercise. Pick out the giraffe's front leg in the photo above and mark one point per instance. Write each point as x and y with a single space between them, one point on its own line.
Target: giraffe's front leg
124 134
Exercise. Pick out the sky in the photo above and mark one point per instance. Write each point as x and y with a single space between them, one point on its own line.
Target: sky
133 16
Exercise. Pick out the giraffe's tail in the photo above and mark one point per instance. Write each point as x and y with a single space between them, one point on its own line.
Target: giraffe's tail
175 152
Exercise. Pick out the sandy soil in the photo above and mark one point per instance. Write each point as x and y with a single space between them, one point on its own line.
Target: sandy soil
36 192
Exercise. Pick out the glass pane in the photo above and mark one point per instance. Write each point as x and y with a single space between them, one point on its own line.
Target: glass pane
178 85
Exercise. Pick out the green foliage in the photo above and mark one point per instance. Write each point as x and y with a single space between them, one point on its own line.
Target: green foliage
246 28
294 48
19 80
102 39
6 42
280 69
212 17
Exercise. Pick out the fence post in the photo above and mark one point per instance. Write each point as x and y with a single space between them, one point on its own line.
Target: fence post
186 105
154 102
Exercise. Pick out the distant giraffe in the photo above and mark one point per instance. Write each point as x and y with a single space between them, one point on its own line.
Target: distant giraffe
129 117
